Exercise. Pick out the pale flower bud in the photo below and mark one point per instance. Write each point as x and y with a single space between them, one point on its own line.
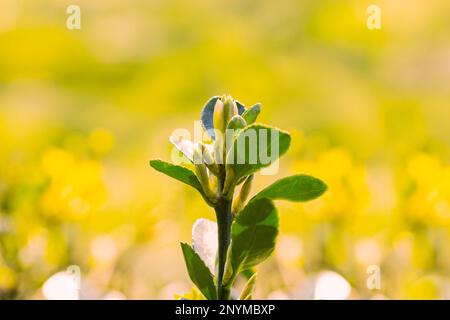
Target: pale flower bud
239 201
208 159
230 109
202 174
218 116
224 109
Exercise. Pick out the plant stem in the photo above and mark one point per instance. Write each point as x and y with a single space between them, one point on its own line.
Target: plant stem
224 220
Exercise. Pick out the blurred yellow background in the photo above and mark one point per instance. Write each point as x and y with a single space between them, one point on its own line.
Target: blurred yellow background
82 112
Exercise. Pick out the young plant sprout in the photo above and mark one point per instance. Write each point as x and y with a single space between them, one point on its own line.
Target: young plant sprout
223 170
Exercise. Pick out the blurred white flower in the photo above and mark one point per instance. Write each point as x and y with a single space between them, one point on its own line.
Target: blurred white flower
204 241
331 286
62 286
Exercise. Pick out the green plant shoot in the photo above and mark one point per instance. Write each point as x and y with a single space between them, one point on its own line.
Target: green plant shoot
223 169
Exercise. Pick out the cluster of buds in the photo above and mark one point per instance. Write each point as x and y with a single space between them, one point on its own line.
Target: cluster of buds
210 160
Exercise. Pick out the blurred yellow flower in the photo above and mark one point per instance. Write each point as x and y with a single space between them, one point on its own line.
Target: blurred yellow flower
348 190
8 278
425 288
76 187
101 141
429 201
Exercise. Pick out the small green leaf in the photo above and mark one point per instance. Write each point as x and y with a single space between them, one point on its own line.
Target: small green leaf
295 188
207 114
252 113
253 236
249 287
236 123
181 174
255 147
199 272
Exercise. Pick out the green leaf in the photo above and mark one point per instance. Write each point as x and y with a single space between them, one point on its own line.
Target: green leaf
181 174
177 172
299 187
252 113
255 147
247 292
199 272
253 236
207 114
248 273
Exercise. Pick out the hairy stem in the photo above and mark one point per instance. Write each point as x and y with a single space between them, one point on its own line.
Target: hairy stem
224 220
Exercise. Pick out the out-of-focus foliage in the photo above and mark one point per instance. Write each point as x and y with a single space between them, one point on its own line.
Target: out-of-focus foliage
82 111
